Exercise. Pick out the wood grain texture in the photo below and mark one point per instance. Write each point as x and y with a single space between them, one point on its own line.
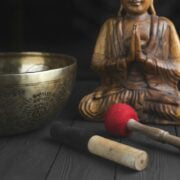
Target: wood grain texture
36 156
71 164
164 159
26 156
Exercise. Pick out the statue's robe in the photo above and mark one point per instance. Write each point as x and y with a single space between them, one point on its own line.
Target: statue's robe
151 87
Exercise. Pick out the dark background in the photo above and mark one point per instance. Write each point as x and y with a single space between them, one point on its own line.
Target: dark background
63 26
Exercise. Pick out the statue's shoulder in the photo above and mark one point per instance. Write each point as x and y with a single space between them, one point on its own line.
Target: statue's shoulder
166 21
111 21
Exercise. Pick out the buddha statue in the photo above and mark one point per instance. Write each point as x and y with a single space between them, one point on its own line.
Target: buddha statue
137 57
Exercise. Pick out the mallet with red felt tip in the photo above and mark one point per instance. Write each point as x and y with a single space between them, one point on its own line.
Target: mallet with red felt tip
121 119
86 140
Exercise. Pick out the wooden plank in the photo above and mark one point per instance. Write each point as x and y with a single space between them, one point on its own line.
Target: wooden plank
30 156
164 159
71 164
26 156
35 156
177 130
161 156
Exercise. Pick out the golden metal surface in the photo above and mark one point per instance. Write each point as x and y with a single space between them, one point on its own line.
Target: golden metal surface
34 87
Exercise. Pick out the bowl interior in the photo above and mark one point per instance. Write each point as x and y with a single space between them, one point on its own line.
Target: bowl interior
19 63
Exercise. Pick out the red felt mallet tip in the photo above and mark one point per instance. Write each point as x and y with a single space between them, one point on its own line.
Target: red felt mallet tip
121 119
117 117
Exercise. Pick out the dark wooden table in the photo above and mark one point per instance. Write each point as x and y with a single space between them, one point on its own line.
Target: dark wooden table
35 156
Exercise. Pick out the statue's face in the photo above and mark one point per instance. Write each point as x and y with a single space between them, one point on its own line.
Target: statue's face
136 6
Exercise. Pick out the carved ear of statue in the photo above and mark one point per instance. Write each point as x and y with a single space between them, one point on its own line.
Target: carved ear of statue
122 11
152 9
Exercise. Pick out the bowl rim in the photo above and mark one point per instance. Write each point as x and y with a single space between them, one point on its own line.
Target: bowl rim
38 53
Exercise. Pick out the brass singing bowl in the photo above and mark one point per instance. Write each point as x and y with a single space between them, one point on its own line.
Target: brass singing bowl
33 89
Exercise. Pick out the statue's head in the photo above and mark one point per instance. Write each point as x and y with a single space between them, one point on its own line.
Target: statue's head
136 7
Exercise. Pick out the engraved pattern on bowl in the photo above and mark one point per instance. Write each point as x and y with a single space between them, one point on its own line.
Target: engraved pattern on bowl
34 88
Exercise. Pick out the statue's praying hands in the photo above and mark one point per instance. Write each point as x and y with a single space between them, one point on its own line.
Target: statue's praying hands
137 56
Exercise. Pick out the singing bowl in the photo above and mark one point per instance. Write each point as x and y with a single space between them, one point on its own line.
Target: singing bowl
34 87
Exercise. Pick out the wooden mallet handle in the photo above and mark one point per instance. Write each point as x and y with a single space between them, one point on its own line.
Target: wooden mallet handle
117 152
155 133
